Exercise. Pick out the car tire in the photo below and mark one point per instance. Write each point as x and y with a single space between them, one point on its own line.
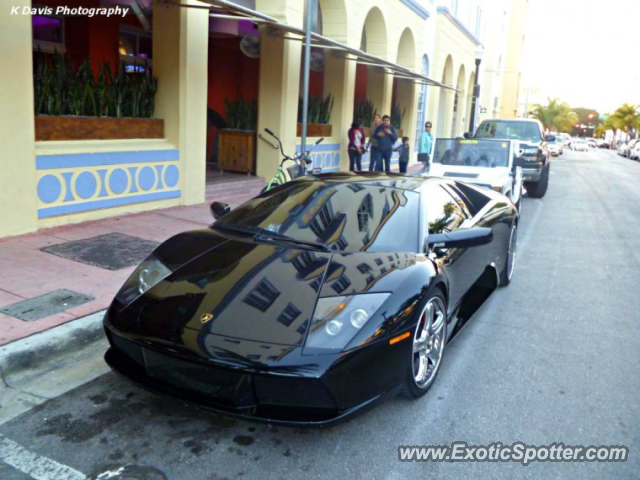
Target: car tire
428 346
539 188
506 274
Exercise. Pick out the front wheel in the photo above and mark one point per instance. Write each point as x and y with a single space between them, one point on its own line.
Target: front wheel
510 261
429 338
539 188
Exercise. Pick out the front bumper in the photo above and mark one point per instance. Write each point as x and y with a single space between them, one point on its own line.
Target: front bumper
241 393
532 171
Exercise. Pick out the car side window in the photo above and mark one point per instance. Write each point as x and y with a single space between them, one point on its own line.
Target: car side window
443 211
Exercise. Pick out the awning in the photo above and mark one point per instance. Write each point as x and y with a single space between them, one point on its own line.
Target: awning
227 9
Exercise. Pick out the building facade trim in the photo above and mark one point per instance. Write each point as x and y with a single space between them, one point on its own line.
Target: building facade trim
445 11
417 8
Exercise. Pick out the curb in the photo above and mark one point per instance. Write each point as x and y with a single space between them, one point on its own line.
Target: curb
27 356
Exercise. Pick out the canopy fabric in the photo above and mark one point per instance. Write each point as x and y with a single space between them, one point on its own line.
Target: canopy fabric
228 9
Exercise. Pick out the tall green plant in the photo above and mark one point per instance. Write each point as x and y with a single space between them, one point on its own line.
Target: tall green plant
61 89
241 114
363 112
397 115
320 109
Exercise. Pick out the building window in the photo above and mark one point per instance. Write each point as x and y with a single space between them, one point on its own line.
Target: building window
302 329
135 47
355 187
303 260
341 284
365 212
378 261
364 268
321 221
315 284
341 244
370 279
289 314
48 33
262 296
422 102
383 270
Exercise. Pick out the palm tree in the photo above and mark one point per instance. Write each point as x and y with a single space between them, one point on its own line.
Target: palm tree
556 115
626 117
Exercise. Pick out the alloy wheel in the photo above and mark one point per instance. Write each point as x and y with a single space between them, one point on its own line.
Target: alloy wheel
428 342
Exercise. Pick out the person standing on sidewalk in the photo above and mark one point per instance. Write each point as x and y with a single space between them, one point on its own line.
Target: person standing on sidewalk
372 146
403 159
386 136
424 146
356 146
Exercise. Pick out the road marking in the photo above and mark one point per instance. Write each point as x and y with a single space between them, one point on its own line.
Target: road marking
40 468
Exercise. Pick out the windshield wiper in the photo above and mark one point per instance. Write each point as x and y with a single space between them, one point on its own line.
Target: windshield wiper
260 233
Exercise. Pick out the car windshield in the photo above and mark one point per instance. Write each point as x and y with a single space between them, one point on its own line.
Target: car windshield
348 217
471 153
527 131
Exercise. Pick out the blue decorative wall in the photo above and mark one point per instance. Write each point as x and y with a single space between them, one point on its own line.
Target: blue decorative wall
81 182
326 156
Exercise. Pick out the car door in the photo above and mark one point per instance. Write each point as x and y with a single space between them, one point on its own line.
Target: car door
445 213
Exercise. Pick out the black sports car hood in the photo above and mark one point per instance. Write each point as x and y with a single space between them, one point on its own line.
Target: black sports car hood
236 288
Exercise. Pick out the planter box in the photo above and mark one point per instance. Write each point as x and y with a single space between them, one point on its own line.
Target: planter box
315 130
49 127
237 151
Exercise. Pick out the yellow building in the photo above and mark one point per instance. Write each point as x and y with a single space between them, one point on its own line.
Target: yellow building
373 50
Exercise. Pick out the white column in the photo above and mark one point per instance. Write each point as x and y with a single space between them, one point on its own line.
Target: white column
180 45
18 190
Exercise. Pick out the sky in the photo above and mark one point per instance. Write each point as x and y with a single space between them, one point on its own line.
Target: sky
584 52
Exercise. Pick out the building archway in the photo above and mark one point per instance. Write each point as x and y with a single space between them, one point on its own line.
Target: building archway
403 93
459 104
445 102
370 80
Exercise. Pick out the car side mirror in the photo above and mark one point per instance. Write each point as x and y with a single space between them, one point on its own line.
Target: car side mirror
550 138
463 238
219 209
467 135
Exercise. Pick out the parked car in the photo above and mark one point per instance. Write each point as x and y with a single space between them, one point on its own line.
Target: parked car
623 149
555 147
487 163
631 145
311 301
634 154
565 138
591 142
579 145
533 149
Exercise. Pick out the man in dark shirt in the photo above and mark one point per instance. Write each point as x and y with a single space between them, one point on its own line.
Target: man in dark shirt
386 136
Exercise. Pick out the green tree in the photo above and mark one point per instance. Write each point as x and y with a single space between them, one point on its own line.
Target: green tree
626 117
555 116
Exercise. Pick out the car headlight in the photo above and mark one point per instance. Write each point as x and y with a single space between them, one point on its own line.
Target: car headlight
338 319
148 274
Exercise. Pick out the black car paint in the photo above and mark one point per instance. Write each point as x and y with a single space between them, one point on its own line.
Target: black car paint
289 383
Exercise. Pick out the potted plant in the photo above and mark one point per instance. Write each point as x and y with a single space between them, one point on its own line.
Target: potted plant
319 116
397 116
71 104
237 140
363 112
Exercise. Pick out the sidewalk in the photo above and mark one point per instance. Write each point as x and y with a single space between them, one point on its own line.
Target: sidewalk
29 272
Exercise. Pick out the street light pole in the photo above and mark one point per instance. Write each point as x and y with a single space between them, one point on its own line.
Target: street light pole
476 92
305 79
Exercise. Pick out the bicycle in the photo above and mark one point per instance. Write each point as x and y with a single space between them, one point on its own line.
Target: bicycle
301 161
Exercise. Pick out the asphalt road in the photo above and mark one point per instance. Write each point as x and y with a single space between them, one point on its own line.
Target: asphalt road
552 358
